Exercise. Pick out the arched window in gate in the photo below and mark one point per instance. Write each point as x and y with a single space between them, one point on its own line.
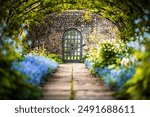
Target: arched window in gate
72 45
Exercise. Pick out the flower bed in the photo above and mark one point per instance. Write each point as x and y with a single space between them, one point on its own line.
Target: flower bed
35 68
112 76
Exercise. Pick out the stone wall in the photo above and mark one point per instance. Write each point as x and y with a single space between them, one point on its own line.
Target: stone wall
50 31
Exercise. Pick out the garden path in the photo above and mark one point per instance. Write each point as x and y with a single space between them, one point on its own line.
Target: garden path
73 81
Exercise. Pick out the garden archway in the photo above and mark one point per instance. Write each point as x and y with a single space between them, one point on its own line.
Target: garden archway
131 18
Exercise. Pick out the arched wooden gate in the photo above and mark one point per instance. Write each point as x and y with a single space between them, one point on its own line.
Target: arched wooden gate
72 45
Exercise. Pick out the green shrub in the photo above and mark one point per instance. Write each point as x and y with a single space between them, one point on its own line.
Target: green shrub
109 53
55 58
13 86
41 51
139 86
12 83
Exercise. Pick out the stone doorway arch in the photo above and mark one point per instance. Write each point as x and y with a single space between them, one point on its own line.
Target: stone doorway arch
72 45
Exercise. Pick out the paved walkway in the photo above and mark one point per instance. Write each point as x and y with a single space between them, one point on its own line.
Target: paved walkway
73 81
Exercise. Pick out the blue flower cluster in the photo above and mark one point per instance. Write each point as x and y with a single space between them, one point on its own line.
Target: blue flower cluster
35 68
88 63
113 77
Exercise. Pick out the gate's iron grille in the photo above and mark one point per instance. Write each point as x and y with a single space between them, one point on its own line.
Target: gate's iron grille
72 45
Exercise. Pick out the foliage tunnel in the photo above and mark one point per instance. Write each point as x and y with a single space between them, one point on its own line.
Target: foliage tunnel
16 16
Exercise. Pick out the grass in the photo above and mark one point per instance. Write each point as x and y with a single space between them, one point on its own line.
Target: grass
72 84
